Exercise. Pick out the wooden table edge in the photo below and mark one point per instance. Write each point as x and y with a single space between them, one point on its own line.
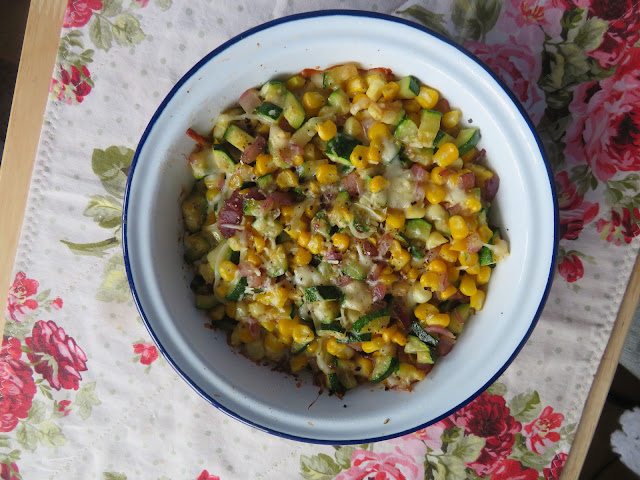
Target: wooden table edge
27 110
39 50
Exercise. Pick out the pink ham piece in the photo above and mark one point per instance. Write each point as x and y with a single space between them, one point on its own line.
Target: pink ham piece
384 244
231 212
282 199
467 180
454 209
341 119
353 184
445 172
249 100
252 151
254 328
480 156
284 125
425 367
399 313
267 204
474 242
418 193
491 186
344 280
367 123
290 151
333 256
368 248
254 193
418 172
376 271
379 291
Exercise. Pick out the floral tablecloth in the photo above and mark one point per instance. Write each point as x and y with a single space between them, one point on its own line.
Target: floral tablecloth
83 392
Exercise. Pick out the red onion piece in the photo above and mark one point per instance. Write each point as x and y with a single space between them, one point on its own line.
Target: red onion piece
432 254
344 280
367 123
384 244
443 281
444 347
285 125
254 328
357 346
341 119
252 151
454 209
425 367
399 313
332 255
439 331
379 291
442 106
282 199
458 316
249 100
480 156
491 186
267 204
375 272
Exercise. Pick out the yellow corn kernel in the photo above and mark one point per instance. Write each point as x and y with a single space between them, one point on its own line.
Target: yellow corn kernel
311 210
327 173
310 152
359 156
257 309
388 278
483 275
377 183
333 347
458 227
376 343
413 274
354 86
212 193
470 155
287 179
217 313
473 204
313 346
467 259
472 224
302 334
286 326
296 82
366 365
230 309
235 181
227 270
313 100
244 333
304 238
263 129
279 297
234 244
428 97
340 241
389 91
211 219
254 259
459 245
259 243
439 320
468 285
474 269
448 292
485 233
298 362
424 311
287 211
396 220
451 118
411 106
302 257
447 253
436 177
269 325
327 130
298 160
446 154
315 244
273 343
437 266
435 194
416 211
477 300
399 338
374 152
429 280
387 333
395 246
482 174
453 273
378 132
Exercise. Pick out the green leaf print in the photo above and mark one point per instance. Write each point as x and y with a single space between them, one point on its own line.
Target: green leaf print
104 210
115 287
37 412
111 8
318 467
27 436
497 388
114 476
475 18
164 4
434 21
343 455
112 167
455 467
97 249
127 31
86 399
50 435
467 448
525 407
100 33
589 35
531 459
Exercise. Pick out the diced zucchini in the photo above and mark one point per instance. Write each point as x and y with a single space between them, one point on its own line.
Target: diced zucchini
464 312
236 292
194 211
467 139
320 293
334 326
352 268
334 77
339 148
222 159
442 137
277 264
406 130
298 347
277 143
251 207
485 256
333 383
320 224
345 374
342 199
223 122
196 246
372 322
426 357
384 366
339 101
413 249
409 87
308 169
353 337
415 345
429 126
293 110
268 226
390 149
273 92
435 239
231 255
418 229
238 137
325 313
269 111
199 285
265 181
206 302
423 335
306 132
201 163
482 218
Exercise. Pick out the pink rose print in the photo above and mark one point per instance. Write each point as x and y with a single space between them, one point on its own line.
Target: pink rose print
18 301
64 407
79 12
56 356
148 352
143 3
488 417
17 387
512 470
554 470
519 68
621 227
73 82
622 32
605 132
539 433
571 268
57 304
574 213
431 435
206 476
530 20
10 472
382 466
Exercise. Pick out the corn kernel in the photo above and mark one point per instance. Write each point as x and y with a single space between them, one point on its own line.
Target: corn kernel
400 259
446 154
313 100
259 243
474 269
395 246
327 130
298 362
451 118
453 273
400 339
315 244
396 220
447 253
244 333
311 210
298 160
287 211
354 86
254 259
268 324
483 275
458 227
340 241
217 313
228 270
424 311
212 194
413 274
482 174
285 327
374 152
376 343
477 300
211 219
435 194
230 309
377 183
235 181
436 177
485 233
304 238
411 106
388 278
387 333
302 334
459 245
437 266
467 259
296 82
332 346
468 285
470 155
378 132
473 204
302 256
263 129
273 343
366 365
448 292
314 187
327 173
439 320
429 280
389 91
287 179
428 97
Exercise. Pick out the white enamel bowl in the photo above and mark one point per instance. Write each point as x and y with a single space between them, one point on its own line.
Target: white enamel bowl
271 401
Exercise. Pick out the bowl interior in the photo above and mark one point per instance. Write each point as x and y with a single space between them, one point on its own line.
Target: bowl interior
524 208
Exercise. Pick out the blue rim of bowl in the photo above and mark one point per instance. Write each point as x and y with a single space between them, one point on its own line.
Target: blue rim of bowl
304 16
